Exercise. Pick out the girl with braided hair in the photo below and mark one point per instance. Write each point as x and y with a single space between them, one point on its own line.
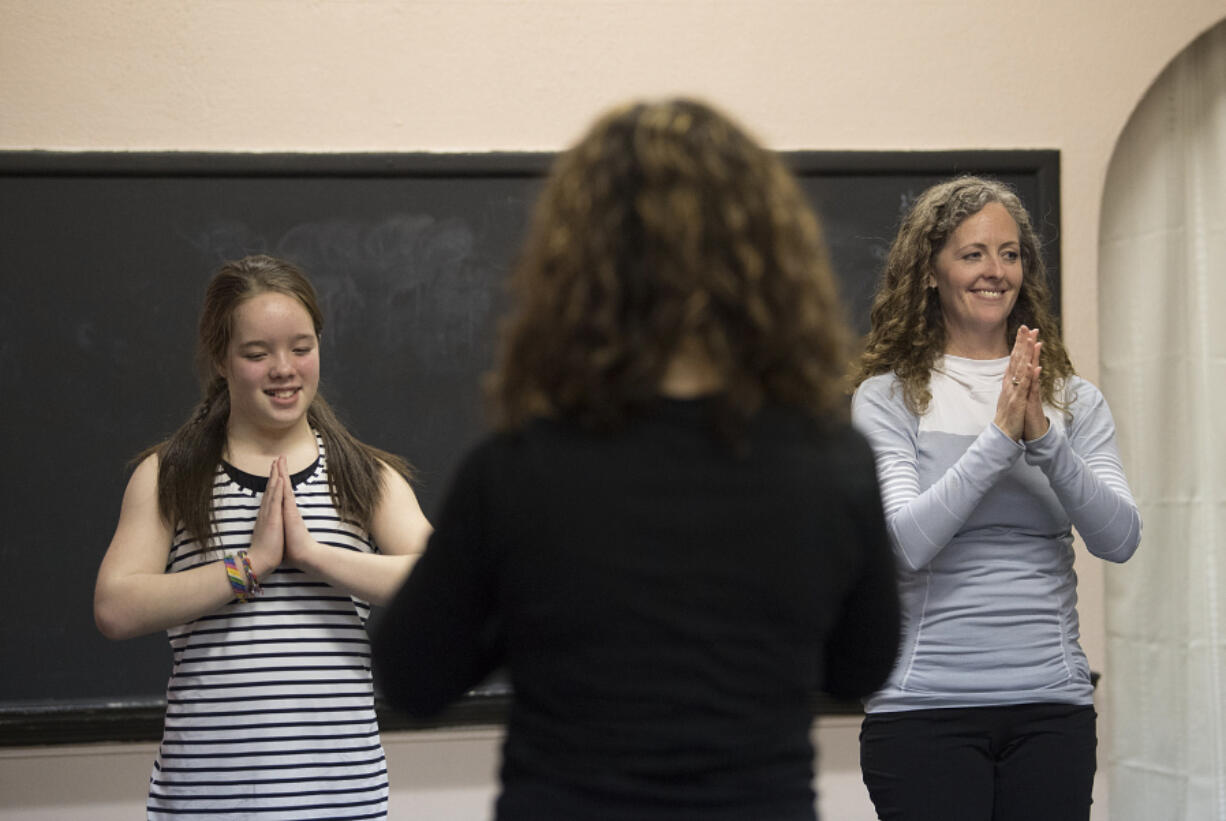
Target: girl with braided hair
257 536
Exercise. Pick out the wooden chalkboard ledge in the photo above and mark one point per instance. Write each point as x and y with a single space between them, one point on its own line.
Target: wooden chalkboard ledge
41 725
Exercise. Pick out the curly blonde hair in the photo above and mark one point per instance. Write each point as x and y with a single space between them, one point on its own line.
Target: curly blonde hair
666 225
907 333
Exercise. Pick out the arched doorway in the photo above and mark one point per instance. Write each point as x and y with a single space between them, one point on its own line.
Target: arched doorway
1162 332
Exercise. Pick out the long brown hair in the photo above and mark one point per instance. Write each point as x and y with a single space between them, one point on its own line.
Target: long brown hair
907 333
188 460
666 224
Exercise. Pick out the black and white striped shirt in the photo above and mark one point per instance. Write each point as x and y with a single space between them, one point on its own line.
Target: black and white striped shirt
270 705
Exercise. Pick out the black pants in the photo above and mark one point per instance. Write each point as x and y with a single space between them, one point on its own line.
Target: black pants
1028 762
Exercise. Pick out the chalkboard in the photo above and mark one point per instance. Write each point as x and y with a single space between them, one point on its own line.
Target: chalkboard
105 257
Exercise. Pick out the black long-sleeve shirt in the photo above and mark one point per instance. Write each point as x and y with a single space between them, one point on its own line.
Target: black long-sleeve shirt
666 606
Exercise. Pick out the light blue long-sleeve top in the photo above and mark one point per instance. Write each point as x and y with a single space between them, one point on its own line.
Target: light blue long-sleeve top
982 529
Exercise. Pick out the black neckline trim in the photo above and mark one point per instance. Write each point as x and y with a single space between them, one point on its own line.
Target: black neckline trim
257 484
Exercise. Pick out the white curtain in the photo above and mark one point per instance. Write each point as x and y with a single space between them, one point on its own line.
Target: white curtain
1162 319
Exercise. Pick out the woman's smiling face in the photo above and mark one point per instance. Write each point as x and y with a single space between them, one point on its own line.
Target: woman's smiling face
978 273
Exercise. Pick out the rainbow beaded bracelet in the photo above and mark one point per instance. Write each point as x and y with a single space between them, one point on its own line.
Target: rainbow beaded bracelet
243 580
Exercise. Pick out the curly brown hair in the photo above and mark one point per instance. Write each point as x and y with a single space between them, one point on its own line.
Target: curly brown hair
907 333
667 225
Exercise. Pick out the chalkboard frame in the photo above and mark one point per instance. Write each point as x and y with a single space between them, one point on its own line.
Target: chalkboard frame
141 720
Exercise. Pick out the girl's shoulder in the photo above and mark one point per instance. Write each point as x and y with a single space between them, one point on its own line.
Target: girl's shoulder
145 469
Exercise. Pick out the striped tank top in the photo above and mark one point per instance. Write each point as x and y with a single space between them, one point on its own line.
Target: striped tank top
270 705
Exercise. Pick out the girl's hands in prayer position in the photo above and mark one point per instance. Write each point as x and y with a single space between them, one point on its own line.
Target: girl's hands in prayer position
300 546
268 535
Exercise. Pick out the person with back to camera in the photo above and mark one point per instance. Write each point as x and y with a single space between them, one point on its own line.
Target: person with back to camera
675 538
989 450
255 536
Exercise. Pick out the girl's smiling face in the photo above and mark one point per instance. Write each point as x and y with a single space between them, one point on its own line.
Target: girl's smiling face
272 364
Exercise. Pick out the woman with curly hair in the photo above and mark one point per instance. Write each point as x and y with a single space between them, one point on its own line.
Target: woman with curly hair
989 450
675 538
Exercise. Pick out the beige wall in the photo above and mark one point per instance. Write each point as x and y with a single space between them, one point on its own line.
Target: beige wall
474 75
